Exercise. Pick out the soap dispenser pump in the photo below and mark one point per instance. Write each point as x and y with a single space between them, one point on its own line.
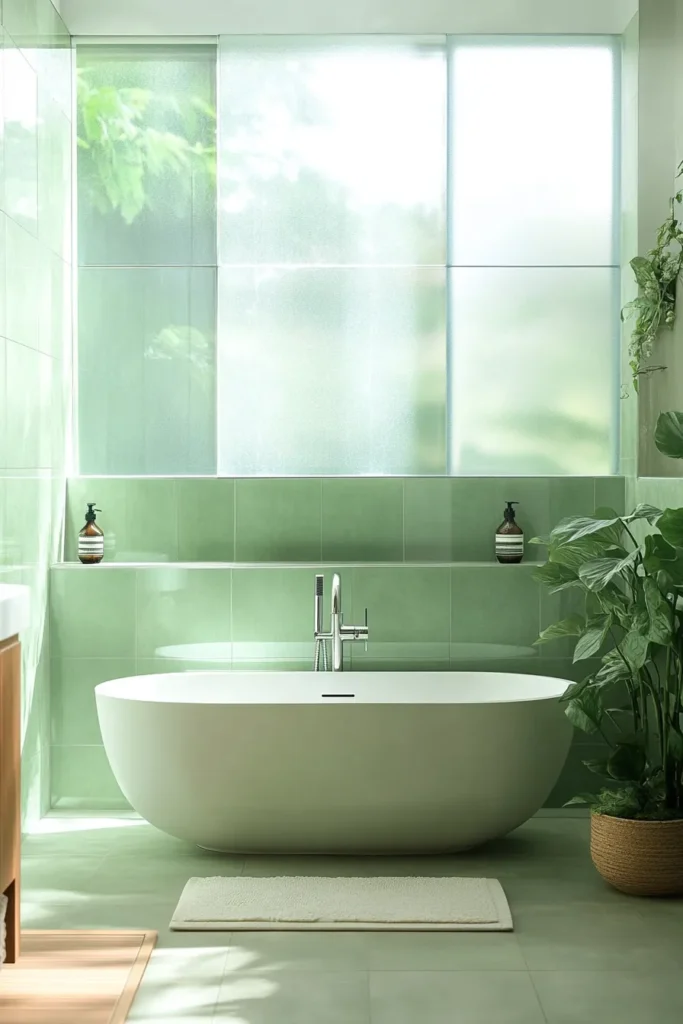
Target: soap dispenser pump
91 538
509 537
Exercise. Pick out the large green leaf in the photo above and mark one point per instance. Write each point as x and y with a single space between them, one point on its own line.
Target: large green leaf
658 552
575 527
609 534
644 273
583 800
671 526
597 573
634 648
597 765
669 434
644 511
556 576
583 550
613 600
675 745
614 668
575 689
571 626
585 711
659 613
592 640
627 762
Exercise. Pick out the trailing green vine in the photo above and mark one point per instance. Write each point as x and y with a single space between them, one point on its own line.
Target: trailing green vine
657 275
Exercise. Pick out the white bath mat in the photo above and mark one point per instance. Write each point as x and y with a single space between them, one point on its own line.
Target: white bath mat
297 903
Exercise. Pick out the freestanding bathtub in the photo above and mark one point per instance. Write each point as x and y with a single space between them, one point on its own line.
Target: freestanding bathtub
355 762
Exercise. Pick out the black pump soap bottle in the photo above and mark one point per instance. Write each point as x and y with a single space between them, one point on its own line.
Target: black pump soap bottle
509 537
91 538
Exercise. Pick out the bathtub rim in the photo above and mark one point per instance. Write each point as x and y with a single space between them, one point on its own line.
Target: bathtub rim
347 688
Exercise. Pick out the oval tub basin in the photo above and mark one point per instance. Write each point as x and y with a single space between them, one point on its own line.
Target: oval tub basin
354 762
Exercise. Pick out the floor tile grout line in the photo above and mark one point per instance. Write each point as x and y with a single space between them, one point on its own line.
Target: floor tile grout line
536 993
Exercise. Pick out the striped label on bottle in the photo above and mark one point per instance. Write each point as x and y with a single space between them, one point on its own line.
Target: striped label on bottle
509 543
91 545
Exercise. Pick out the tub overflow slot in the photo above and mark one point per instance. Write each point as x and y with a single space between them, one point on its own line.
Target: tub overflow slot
338 695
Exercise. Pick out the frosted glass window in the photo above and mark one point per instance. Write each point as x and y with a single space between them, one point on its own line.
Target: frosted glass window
20 101
331 370
352 255
146 155
146 396
532 153
533 370
332 151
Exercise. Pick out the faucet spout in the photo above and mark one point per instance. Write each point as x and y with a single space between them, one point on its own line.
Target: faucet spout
336 594
339 634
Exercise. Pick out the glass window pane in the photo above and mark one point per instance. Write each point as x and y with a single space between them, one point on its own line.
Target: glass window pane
20 88
533 370
146 155
331 371
532 153
332 151
146 398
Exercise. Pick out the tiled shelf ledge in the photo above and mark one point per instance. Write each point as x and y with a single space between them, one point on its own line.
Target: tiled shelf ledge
293 565
432 520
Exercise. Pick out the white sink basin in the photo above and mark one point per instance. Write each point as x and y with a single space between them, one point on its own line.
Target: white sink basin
14 609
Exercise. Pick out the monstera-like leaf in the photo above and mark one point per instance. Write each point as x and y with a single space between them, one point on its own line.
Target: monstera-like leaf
669 434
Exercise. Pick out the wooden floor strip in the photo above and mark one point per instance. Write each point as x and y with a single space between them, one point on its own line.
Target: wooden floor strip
74 977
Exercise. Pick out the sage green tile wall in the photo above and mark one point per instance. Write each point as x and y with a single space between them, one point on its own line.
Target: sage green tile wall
412 519
35 288
109 621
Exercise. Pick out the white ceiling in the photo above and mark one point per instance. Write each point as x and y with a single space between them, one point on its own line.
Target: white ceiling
212 17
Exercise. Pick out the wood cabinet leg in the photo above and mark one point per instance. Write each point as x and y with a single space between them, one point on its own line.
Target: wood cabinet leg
12 924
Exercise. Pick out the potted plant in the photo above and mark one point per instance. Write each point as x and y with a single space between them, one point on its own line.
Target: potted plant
627 573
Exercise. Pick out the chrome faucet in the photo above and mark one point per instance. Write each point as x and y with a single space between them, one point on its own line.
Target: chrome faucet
339 634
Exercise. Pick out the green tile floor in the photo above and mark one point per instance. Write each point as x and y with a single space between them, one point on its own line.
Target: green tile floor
581 953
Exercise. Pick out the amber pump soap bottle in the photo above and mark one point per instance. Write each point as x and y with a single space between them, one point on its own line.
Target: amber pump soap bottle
91 538
509 537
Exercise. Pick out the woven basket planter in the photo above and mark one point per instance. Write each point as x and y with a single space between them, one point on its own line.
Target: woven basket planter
643 858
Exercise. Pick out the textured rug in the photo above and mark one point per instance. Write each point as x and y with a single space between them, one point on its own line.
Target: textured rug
298 903
87 977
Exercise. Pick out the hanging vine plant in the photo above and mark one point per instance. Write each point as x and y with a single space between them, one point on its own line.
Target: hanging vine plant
657 275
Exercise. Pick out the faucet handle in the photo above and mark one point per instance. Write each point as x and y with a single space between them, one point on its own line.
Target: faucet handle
366 631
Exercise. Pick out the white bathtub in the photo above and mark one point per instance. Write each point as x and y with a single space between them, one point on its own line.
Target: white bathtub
358 762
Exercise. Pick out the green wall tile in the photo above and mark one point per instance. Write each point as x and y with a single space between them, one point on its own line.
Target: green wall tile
478 505
81 777
362 520
408 616
180 606
29 406
92 612
571 496
28 499
398 658
271 652
277 520
497 604
406 605
139 518
275 604
3 346
560 606
205 660
73 682
206 520
428 519
490 657
610 492
575 777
